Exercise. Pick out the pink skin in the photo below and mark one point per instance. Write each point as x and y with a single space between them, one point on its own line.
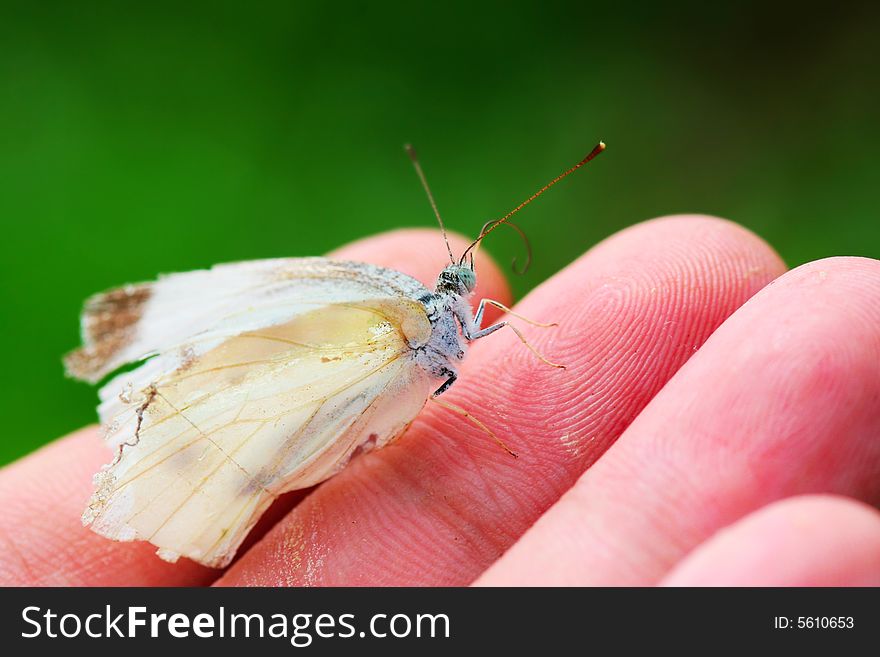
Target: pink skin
777 403
444 503
810 540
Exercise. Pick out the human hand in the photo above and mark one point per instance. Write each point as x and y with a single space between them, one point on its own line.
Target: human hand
631 474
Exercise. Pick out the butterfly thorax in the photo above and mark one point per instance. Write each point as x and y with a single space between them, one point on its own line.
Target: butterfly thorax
449 310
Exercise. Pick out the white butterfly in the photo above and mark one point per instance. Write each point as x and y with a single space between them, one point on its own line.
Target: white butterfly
259 378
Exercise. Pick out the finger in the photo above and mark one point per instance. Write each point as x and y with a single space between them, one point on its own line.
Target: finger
782 400
42 541
441 504
813 540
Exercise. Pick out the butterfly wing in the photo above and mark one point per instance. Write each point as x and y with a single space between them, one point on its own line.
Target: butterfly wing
216 425
133 322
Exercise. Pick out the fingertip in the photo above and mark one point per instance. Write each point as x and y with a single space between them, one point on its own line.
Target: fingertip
810 540
707 237
861 275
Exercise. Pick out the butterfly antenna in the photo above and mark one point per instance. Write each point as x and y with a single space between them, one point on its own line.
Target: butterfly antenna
513 265
418 167
503 220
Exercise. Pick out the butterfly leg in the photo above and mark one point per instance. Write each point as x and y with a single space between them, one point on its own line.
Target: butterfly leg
473 332
458 410
445 386
478 317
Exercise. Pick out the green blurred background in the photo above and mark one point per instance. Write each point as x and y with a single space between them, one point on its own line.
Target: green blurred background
139 139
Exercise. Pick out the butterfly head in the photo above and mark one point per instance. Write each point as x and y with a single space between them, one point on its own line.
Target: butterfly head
457 279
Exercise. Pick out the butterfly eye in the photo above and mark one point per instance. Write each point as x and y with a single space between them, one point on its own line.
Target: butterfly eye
468 278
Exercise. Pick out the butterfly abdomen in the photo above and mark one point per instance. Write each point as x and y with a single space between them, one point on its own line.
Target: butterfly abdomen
440 355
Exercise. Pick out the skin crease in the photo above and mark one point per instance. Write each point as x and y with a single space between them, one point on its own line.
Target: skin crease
774 405
765 548
444 502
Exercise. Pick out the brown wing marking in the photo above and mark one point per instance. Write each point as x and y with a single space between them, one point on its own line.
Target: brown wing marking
108 323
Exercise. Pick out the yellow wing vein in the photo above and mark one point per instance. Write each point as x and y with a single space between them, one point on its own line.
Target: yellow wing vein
221 368
196 489
209 439
292 440
237 420
276 461
248 499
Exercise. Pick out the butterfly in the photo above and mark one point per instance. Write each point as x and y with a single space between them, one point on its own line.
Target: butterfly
261 377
